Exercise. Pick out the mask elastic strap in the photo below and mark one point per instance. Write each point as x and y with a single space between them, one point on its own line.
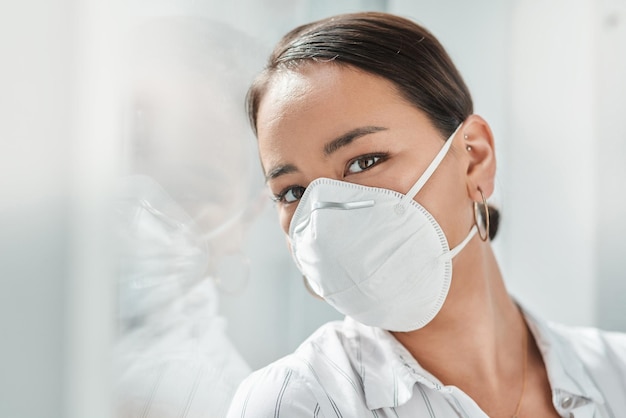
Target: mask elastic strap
453 252
431 168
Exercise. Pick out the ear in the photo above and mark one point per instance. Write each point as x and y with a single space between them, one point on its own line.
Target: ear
481 170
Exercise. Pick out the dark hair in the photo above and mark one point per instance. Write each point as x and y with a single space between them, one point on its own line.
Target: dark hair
385 45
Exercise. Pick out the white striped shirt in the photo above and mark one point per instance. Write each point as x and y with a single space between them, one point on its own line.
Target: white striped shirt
346 369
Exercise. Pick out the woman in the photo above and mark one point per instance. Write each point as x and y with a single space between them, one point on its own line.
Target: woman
381 173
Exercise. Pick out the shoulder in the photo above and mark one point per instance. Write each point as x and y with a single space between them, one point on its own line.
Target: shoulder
597 348
602 355
313 381
594 345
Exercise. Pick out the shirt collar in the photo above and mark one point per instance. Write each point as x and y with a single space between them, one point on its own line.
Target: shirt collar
389 372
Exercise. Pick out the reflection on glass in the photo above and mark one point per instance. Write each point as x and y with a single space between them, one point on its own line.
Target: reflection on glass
182 211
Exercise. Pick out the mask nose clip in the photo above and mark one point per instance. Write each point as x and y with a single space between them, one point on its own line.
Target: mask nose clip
360 204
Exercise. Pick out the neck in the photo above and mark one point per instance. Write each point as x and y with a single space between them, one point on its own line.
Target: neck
476 342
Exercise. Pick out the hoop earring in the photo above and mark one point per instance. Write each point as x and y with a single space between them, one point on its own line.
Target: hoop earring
486 216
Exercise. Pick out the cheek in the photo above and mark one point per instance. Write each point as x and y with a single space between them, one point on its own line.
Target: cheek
284 217
288 244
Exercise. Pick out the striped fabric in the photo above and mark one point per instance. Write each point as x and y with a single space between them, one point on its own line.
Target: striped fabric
346 369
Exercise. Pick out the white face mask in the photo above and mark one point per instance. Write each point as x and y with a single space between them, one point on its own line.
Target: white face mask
374 254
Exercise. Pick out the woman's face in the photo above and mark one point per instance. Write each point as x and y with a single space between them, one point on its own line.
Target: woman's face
327 120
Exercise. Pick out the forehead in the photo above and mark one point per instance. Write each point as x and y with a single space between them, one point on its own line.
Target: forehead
329 84
319 101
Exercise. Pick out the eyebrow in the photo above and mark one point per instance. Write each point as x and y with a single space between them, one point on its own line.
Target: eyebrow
279 171
350 136
329 148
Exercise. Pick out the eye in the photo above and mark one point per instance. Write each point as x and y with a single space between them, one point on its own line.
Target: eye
289 195
364 162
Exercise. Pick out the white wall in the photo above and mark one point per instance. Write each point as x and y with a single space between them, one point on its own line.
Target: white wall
551 161
566 160
34 209
609 141
57 130
94 148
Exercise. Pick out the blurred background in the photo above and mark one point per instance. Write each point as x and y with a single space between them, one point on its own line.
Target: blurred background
79 93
